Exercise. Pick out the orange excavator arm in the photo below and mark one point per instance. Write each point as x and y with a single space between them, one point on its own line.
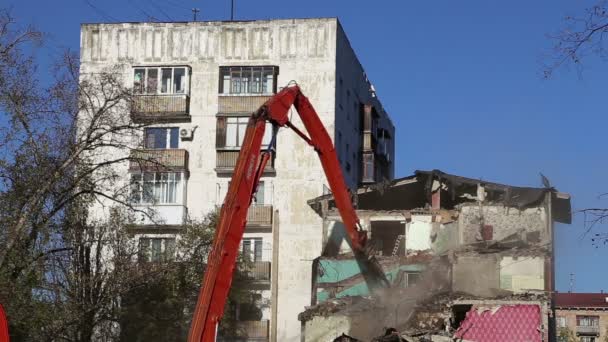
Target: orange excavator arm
4 337
248 170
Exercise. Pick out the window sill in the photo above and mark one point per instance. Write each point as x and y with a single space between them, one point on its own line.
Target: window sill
157 205
246 94
268 172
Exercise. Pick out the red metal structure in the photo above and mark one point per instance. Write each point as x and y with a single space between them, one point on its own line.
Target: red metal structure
4 337
247 173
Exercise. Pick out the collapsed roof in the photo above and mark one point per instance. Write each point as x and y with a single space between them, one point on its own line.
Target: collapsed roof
415 192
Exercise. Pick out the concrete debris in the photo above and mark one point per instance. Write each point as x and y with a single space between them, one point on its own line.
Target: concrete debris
345 338
344 306
391 335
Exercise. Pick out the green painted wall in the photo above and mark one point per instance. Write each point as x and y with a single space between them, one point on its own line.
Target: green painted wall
334 271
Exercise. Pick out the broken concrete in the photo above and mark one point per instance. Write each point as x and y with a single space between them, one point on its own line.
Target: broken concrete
467 243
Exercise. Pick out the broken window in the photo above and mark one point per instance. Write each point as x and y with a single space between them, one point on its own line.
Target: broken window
157 80
156 188
387 237
161 137
156 249
248 80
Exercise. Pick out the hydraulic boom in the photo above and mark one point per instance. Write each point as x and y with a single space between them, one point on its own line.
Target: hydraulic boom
249 168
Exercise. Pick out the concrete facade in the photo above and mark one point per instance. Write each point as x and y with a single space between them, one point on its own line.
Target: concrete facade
313 52
567 326
581 317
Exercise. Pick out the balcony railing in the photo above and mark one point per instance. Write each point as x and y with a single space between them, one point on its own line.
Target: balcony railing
259 216
259 270
592 330
169 107
240 104
225 161
159 160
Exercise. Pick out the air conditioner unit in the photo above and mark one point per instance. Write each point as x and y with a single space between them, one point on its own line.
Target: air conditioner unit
186 133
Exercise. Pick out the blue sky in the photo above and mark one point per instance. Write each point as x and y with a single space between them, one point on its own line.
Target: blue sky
461 80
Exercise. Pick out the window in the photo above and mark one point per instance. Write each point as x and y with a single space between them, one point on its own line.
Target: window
248 80
156 249
368 167
252 249
235 131
587 321
561 322
587 339
156 80
412 278
161 138
156 188
258 197
230 132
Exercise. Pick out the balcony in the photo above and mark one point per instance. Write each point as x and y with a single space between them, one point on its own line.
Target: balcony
153 218
235 104
161 108
259 271
369 141
225 161
592 330
158 160
259 216
249 331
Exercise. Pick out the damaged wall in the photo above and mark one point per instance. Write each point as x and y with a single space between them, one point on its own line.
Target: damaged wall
337 278
519 274
418 235
529 224
495 240
476 275
487 274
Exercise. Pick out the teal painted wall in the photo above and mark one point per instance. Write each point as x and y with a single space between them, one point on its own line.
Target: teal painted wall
334 271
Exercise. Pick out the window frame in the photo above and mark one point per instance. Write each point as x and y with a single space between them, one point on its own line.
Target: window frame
593 321
166 252
221 132
171 135
256 244
159 76
236 72
138 188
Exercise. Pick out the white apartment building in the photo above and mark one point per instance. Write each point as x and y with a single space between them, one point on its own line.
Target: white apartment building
196 83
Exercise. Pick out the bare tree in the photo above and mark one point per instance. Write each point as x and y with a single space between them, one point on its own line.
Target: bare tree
581 36
66 275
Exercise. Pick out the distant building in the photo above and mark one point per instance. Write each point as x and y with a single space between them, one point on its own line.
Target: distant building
196 83
468 258
583 316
